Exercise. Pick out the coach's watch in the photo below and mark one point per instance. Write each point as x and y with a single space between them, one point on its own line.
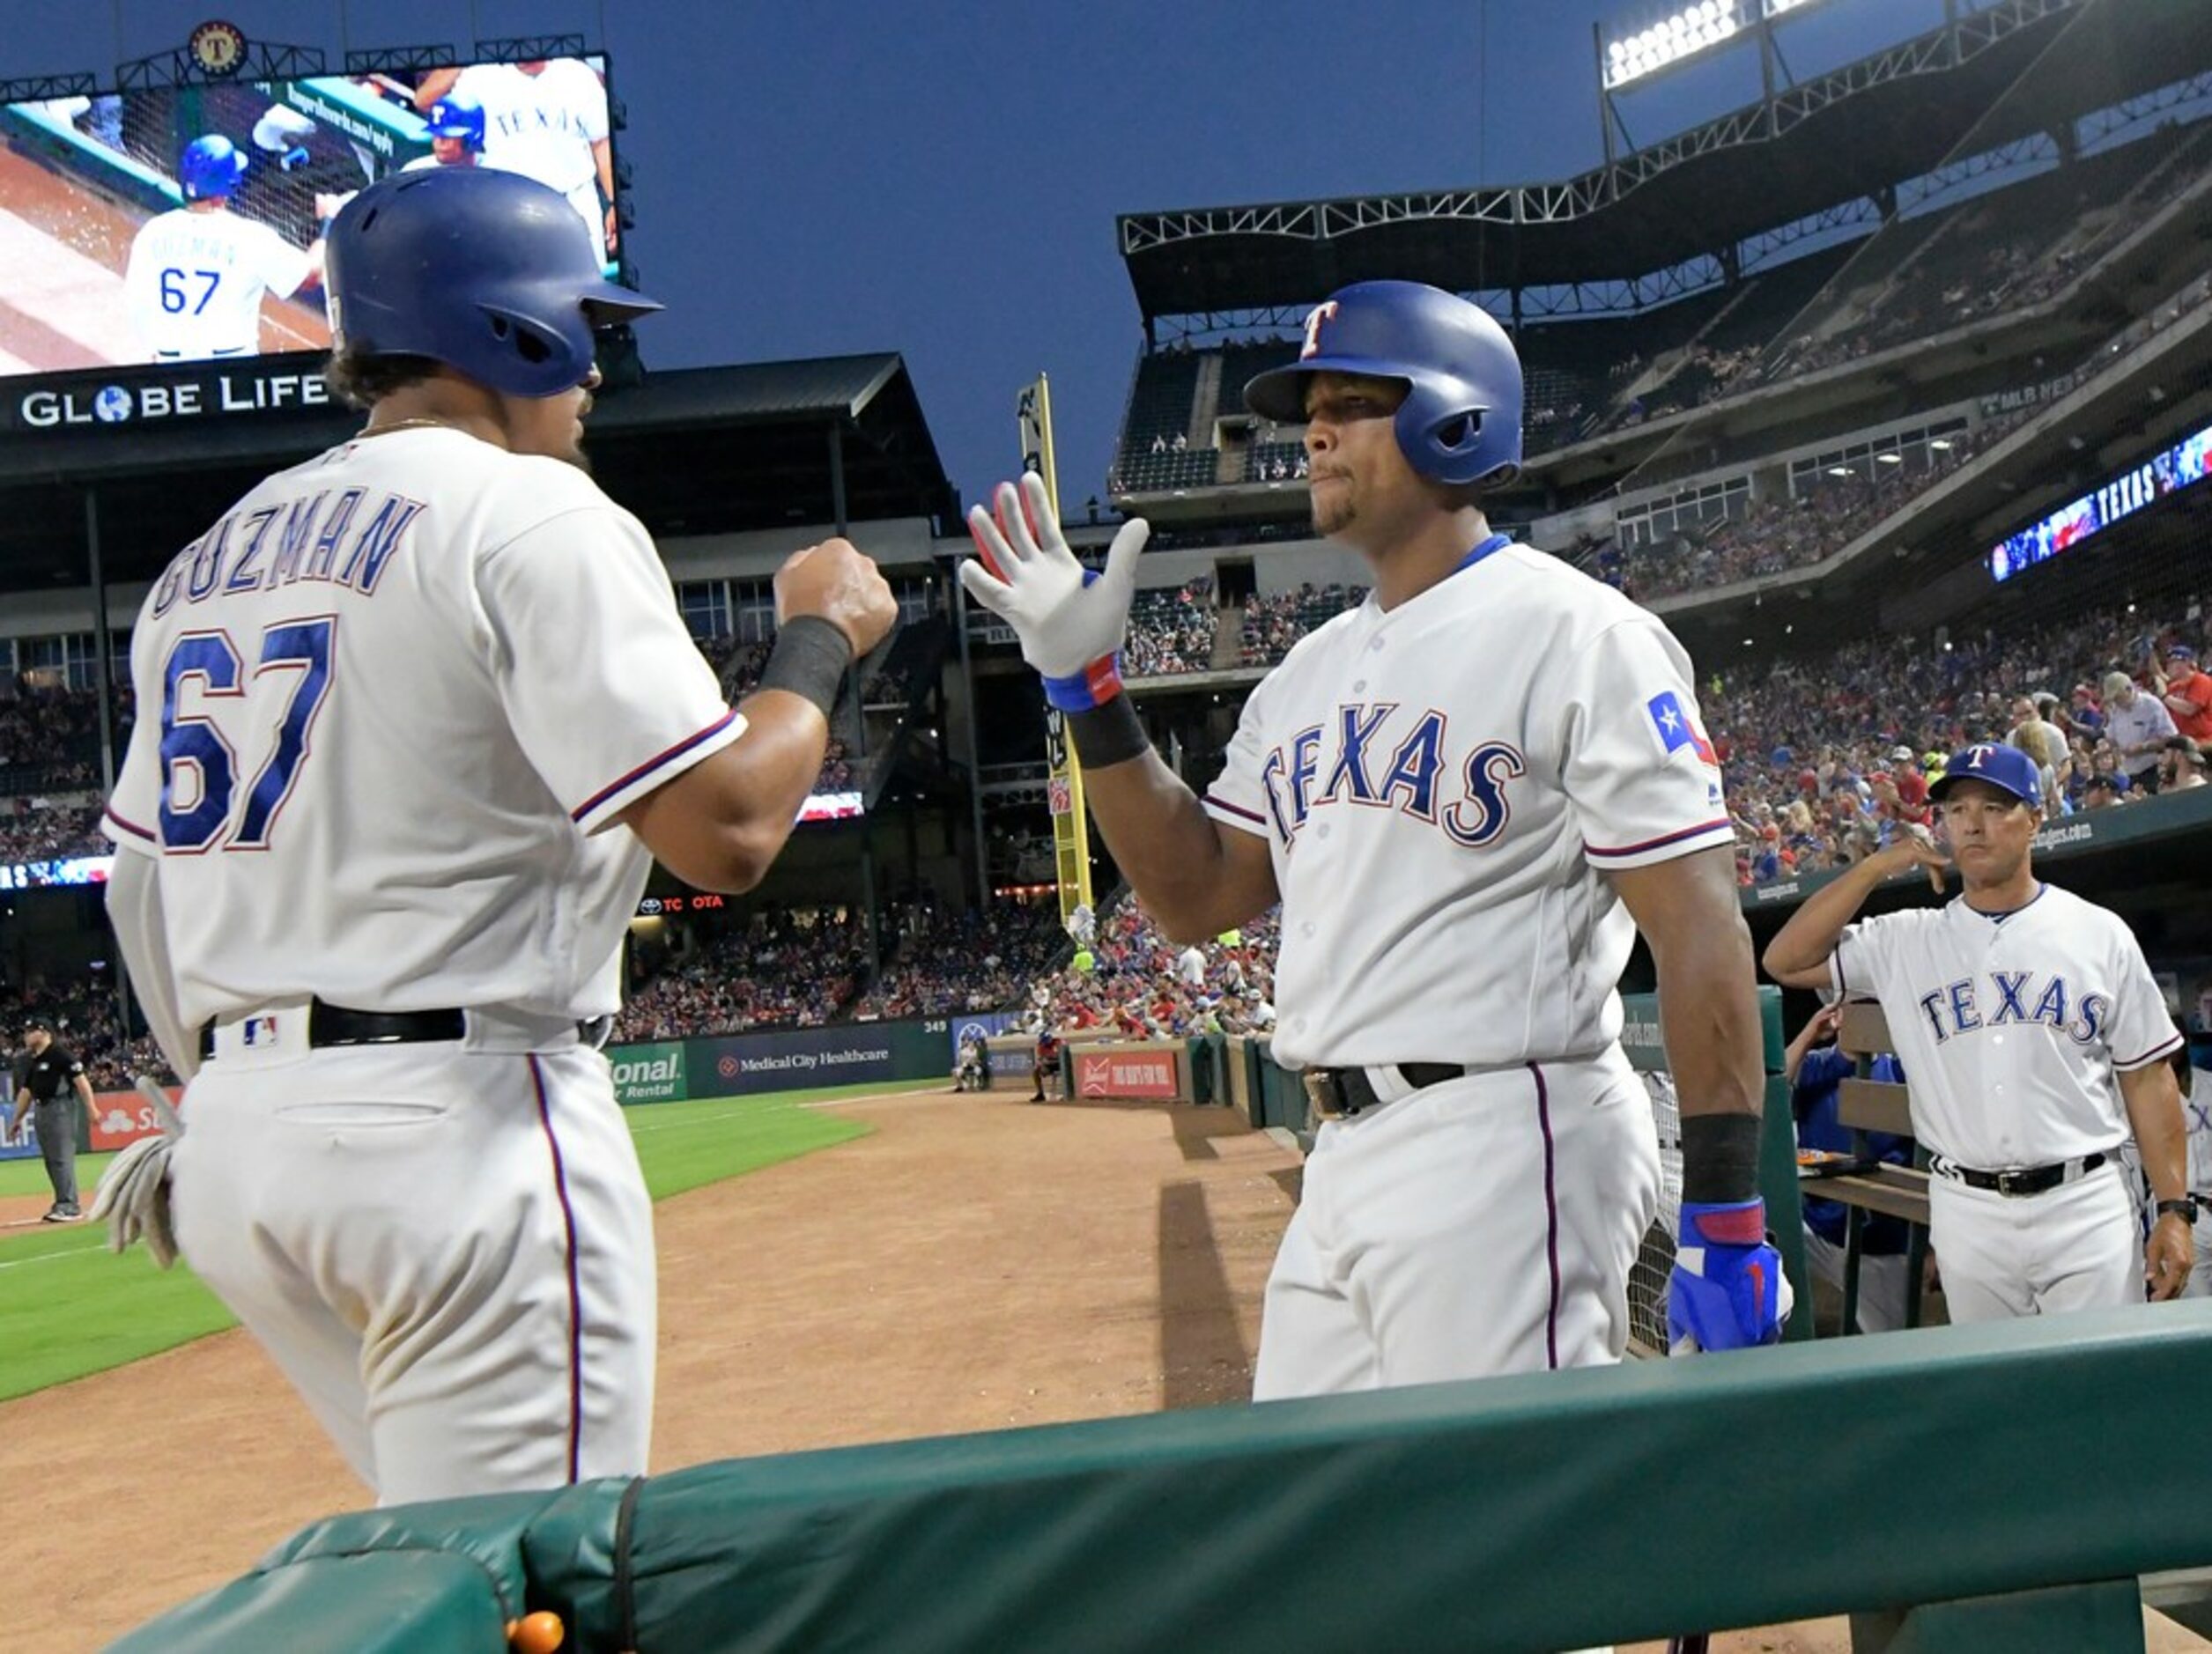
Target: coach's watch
2185 1208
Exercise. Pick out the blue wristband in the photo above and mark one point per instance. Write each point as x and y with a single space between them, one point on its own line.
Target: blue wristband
1094 686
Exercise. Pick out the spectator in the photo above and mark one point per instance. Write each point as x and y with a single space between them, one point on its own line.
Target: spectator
2180 764
2100 793
2139 726
2186 691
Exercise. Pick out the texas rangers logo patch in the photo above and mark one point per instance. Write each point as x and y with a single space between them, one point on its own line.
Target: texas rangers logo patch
1677 729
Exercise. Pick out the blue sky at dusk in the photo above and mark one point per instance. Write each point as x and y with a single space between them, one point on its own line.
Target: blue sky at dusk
814 179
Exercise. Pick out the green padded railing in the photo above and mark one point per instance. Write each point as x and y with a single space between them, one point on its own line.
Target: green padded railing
1544 1512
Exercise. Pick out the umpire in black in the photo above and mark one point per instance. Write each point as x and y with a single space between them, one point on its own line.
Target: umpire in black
53 1078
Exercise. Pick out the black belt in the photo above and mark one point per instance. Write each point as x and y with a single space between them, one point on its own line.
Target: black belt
2022 1180
1341 1093
331 1025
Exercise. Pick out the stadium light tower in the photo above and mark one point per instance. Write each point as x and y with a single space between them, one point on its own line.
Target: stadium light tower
1691 30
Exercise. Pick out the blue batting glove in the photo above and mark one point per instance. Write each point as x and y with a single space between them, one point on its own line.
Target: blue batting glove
1728 1290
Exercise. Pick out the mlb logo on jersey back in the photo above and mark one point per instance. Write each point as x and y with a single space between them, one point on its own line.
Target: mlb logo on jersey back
1677 729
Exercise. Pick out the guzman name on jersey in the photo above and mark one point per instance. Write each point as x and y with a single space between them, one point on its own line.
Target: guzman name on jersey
313 537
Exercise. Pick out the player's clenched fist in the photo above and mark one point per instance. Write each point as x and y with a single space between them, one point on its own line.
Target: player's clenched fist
1071 621
837 582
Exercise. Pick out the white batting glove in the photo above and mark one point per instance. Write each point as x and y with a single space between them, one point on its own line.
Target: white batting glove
133 1197
1071 623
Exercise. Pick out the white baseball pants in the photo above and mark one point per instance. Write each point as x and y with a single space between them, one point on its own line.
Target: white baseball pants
2078 1246
447 1252
1481 1226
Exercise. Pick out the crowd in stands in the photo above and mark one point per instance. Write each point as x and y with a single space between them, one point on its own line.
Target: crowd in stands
50 737
1824 760
739 666
1776 535
35 829
1273 623
1171 631
86 1019
780 968
1142 986
946 963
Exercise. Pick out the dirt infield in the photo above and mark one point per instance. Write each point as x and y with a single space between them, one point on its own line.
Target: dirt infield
977 1263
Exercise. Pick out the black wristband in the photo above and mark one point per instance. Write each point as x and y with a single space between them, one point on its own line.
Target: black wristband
1107 735
1720 1158
809 659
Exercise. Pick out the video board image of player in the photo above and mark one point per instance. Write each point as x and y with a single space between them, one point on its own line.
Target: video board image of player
185 224
2163 473
546 120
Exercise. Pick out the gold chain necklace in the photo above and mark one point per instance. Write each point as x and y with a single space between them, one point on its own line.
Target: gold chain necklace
405 424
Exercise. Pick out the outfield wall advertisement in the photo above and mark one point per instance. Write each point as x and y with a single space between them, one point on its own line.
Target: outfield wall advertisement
782 1059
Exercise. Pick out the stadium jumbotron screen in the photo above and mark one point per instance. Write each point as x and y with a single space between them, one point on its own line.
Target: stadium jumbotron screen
2164 472
185 224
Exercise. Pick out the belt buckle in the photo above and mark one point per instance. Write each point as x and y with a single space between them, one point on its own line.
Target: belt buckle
1323 1093
2008 1184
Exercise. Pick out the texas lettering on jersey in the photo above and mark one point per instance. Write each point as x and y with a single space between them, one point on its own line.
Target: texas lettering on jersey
1385 757
2008 998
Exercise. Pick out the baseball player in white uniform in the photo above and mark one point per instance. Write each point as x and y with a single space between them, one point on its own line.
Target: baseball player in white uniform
2196 1105
1467 794
546 120
424 705
2036 1039
195 275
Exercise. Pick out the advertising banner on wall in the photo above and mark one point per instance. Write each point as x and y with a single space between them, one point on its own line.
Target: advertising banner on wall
1125 1073
851 1053
121 1117
649 1073
981 1025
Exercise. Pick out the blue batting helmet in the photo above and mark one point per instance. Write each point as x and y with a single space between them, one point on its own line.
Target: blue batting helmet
1460 420
491 273
454 116
209 167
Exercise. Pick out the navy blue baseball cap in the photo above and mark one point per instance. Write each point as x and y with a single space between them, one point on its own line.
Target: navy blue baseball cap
2006 768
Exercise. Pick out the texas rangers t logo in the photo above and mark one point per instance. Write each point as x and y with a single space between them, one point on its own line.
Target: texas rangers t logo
1313 319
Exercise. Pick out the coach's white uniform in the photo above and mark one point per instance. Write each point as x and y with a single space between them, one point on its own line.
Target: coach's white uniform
1442 787
195 281
2196 1109
543 126
2013 1027
388 703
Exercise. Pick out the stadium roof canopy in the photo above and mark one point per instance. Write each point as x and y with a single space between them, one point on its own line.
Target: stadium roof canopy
1997 75
692 451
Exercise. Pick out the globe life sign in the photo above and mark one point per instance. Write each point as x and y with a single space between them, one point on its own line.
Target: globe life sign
114 403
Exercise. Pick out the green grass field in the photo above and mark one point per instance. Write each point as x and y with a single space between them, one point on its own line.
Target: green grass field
71 1308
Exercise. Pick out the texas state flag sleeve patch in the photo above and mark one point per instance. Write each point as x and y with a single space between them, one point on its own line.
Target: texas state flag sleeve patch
1677 729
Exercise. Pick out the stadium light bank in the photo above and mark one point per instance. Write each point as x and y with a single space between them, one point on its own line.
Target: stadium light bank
1688 32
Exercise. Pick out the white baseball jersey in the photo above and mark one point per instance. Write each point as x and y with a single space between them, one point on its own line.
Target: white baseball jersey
1190 967
195 281
388 703
2011 1027
543 126
2196 1115
1442 787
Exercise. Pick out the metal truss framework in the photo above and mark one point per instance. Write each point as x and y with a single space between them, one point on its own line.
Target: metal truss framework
43 88
264 60
1943 49
402 60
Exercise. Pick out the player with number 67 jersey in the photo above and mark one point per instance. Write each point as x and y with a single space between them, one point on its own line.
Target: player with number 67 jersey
412 715
196 274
